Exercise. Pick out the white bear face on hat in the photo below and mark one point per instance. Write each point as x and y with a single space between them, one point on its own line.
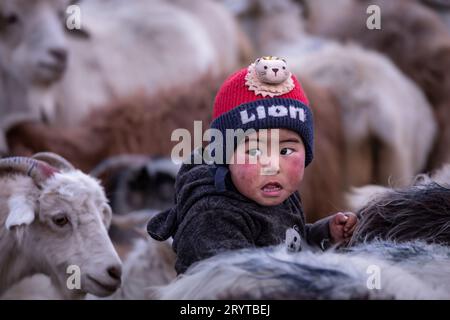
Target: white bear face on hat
271 70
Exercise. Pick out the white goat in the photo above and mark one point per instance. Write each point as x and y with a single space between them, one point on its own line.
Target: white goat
149 263
52 217
33 56
141 58
223 31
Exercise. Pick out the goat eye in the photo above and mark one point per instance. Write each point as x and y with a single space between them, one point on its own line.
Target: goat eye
265 67
60 220
284 68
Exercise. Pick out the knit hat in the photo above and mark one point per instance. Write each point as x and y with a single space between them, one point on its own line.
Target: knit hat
264 96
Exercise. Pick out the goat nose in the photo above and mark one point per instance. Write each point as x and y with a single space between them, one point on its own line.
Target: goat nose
115 272
275 70
60 54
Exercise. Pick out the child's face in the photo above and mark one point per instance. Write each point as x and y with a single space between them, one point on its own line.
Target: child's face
270 177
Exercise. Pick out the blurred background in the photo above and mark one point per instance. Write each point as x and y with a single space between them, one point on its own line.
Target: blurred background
108 96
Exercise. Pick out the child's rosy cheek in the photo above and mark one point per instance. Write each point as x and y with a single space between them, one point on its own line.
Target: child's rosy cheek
248 171
295 165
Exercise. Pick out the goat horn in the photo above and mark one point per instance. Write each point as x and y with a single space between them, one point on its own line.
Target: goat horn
54 160
39 171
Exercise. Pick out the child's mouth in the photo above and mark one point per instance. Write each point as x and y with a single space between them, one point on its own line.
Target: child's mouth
272 189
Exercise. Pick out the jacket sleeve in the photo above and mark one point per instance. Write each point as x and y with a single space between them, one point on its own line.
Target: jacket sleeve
208 233
318 233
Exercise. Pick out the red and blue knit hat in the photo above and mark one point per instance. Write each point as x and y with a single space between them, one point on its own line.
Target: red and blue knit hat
264 96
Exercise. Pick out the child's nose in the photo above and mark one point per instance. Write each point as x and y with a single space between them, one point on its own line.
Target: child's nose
269 171
270 165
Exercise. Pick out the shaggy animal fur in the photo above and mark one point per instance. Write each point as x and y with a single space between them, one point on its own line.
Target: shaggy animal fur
409 270
412 270
401 215
421 211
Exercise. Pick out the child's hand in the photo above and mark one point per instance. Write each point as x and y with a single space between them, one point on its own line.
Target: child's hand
342 226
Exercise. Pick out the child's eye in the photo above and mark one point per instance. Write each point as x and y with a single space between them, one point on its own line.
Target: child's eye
286 151
254 152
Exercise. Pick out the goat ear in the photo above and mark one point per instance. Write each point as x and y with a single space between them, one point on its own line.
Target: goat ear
20 212
107 216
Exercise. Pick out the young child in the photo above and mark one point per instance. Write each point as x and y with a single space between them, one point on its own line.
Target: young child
251 204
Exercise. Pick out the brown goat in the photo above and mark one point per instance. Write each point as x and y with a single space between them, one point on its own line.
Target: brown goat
413 36
138 124
324 181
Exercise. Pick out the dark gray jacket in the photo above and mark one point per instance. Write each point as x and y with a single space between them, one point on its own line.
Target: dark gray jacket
206 221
